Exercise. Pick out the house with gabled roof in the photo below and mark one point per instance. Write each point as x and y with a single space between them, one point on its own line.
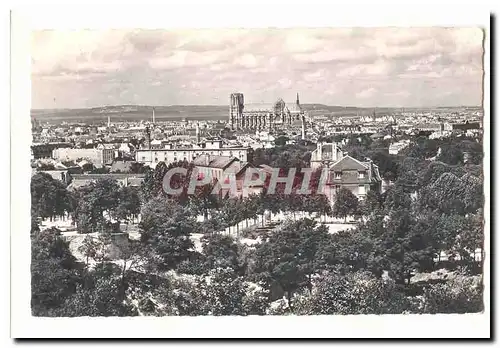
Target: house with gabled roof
219 168
357 176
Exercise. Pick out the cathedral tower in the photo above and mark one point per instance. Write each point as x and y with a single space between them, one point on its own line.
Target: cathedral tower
236 105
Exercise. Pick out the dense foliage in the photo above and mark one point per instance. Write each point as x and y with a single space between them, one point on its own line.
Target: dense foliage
203 254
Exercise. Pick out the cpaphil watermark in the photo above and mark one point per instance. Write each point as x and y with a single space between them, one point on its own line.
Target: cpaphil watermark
251 180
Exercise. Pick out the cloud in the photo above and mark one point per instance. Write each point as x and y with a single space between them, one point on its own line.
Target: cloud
347 66
367 93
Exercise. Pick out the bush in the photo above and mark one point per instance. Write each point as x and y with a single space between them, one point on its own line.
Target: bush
458 295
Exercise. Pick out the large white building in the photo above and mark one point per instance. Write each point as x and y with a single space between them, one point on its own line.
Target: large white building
98 157
395 148
170 154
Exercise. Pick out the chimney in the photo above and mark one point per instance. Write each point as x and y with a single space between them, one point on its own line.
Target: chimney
303 127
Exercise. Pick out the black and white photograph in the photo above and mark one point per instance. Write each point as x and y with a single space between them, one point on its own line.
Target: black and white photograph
257 172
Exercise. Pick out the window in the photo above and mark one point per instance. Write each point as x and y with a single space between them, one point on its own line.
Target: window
337 188
156 159
175 159
143 158
185 159
338 175
361 175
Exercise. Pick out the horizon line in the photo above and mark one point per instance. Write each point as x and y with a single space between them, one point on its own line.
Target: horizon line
342 106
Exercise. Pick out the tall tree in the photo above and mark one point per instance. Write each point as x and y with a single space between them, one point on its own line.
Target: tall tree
53 272
49 197
129 203
96 205
451 155
346 203
290 255
221 251
166 228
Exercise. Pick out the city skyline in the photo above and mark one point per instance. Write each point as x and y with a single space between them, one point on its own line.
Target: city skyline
361 67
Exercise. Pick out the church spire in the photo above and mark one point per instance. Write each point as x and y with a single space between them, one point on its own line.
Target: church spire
298 103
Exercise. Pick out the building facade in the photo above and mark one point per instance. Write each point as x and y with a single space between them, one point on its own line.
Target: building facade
356 176
123 180
263 116
170 154
325 154
98 157
219 168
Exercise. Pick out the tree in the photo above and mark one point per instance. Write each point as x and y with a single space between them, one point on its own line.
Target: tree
53 272
147 186
221 251
203 201
446 195
470 238
224 293
129 203
49 197
99 296
88 167
473 196
137 168
347 250
422 148
346 203
290 256
94 201
387 164
281 140
372 202
46 166
354 293
396 197
166 228
405 245
451 155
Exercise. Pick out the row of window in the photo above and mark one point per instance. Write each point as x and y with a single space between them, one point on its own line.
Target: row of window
143 158
212 153
361 189
361 175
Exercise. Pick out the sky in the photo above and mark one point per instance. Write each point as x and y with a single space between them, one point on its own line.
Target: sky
364 67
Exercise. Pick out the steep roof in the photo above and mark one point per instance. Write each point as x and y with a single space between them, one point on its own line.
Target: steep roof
293 108
267 107
214 161
55 174
349 163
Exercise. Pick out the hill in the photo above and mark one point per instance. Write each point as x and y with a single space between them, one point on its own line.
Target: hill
200 112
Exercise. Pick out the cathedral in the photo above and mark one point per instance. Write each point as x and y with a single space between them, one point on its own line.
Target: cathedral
263 116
